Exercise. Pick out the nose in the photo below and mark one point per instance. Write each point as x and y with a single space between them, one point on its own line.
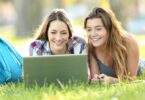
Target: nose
58 37
93 33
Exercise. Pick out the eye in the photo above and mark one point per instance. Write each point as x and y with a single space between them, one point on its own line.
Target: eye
98 29
64 33
88 30
53 32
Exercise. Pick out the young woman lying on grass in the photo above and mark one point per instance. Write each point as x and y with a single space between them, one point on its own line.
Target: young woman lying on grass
55 36
113 54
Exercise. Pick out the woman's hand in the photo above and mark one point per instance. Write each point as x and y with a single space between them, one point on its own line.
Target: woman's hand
95 79
102 78
105 79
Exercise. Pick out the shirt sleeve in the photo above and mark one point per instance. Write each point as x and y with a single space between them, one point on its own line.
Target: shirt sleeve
34 48
84 50
79 45
31 50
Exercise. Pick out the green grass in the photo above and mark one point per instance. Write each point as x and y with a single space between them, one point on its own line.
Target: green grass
121 91
134 91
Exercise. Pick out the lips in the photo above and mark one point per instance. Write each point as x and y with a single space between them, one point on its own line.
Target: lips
58 43
96 39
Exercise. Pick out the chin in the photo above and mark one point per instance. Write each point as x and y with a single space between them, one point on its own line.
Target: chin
58 49
96 45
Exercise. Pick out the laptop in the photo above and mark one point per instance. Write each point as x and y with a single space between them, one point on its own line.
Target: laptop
54 69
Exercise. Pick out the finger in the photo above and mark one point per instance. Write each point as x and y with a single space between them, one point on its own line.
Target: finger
101 76
102 80
96 76
95 80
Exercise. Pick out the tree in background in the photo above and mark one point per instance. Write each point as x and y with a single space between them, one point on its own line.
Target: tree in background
29 14
30 11
121 9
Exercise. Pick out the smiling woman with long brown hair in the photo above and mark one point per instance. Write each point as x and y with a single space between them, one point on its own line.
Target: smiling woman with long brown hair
55 36
113 53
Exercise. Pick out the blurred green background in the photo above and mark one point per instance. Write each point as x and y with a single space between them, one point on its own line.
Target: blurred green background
20 18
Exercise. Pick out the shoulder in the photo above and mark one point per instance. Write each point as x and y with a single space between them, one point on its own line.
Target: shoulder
39 47
132 44
77 40
37 43
131 41
78 44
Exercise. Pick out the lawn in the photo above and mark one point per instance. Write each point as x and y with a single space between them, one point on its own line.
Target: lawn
124 91
83 91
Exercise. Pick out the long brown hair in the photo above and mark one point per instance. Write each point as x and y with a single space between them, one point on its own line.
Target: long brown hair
116 41
56 14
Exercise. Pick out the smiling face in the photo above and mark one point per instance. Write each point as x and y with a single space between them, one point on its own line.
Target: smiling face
58 36
96 31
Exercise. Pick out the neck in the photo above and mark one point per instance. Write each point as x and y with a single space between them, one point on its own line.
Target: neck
103 55
56 52
101 49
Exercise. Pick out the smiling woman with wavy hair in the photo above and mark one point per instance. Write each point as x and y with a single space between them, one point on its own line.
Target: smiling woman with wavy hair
113 53
55 36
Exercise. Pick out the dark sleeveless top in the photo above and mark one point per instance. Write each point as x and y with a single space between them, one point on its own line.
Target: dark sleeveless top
109 71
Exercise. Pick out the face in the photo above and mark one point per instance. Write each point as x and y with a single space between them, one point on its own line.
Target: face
96 32
58 36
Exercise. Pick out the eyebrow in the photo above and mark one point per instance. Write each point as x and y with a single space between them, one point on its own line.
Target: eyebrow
98 26
95 26
52 30
60 31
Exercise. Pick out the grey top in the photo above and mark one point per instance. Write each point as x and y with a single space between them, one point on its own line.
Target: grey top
105 69
109 71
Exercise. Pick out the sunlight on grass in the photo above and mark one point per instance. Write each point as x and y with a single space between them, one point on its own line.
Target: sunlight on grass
141 41
21 44
8 32
74 92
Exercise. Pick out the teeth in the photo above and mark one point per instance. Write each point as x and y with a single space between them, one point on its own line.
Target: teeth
95 39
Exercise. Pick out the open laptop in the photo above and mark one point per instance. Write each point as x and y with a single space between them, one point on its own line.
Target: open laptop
57 69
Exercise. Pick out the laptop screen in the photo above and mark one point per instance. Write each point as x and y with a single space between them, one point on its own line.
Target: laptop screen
55 68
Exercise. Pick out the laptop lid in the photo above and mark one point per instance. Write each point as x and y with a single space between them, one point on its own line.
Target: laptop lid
42 70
